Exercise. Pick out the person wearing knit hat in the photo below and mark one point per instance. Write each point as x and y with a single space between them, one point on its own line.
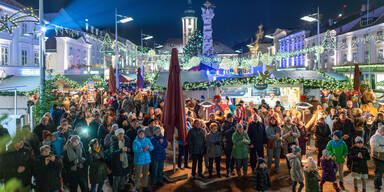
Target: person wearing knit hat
338 149
142 147
329 168
240 141
158 156
119 131
359 156
311 175
140 131
296 170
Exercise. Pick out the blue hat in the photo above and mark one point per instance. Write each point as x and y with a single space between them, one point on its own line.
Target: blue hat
338 133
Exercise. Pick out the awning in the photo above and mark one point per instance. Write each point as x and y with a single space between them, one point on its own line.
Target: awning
185 76
337 76
22 83
298 74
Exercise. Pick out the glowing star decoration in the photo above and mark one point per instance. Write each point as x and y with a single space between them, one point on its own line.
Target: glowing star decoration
151 53
9 22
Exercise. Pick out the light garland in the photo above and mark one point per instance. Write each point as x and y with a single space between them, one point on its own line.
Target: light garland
9 22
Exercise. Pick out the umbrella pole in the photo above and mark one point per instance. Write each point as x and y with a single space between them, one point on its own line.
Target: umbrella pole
174 153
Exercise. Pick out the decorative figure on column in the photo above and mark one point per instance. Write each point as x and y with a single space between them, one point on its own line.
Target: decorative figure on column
208 14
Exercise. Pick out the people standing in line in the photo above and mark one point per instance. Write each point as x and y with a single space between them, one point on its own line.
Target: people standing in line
258 137
296 170
377 150
240 141
196 145
273 132
158 156
359 157
214 149
142 147
339 151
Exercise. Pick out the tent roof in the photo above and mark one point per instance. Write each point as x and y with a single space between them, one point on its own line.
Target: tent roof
298 74
185 76
337 76
79 78
28 83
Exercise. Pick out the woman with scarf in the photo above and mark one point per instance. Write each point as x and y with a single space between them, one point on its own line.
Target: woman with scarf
97 168
74 159
120 148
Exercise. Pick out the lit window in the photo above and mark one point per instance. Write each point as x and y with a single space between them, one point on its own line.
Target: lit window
4 56
36 59
380 56
24 28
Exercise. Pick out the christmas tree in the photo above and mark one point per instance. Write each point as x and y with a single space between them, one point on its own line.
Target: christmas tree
194 45
329 41
106 45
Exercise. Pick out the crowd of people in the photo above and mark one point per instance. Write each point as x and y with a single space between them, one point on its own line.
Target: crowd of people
119 139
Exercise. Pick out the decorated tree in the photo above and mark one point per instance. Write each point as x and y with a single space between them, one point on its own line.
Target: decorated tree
106 45
194 45
329 41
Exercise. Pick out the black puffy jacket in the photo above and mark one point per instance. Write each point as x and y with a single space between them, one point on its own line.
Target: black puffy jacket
359 165
196 141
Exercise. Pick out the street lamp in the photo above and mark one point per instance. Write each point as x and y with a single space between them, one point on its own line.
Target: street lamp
158 46
43 29
123 19
143 37
313 18
269 36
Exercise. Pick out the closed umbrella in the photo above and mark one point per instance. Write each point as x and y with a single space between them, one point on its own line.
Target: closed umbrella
139 80
174 110
356 79
112 81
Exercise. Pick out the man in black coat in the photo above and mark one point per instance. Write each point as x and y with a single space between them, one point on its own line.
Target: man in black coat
346 126
323 135
94 126
258 137
229 127
196 144
47 169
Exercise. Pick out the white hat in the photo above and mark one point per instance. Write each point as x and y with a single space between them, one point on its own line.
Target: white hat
119 131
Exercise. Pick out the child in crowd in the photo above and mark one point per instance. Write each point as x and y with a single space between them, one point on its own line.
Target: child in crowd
158 156
312 176
339 151
296 170
329 169
263 182
359 157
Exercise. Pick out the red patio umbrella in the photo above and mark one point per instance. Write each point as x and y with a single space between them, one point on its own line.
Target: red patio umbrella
112 81
174 110
139 79
356 79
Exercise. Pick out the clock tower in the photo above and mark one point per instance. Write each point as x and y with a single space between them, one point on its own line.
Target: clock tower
189 23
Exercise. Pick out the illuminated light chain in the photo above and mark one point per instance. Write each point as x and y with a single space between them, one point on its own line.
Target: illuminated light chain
9 22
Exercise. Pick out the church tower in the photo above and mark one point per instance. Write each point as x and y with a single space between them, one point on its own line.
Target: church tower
189 23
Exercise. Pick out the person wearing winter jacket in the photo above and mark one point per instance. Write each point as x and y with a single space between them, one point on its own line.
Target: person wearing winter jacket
240 141
142 147
289 135
158 156
258 137
120 149
97 164
359 157
228 128
261 175
323 135
94 125
214 149
74 160
108 138
311 176
296 170
377 148
339 151
47 169
18 162
344 125
329 169
196 145
379 120
273 132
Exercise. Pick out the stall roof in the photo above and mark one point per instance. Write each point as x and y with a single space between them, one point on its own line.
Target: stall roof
337 76
26 83
185 76
79 78
298 74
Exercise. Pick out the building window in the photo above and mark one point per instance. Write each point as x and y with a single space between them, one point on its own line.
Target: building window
366 56
345 58
380 56
4 56
24 57
354 57
36 59
189 21
24 28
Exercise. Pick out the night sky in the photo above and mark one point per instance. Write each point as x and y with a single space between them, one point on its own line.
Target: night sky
235 20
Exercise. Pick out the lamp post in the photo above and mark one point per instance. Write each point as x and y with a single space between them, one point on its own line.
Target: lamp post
42 48
313 18
124 19
143 37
